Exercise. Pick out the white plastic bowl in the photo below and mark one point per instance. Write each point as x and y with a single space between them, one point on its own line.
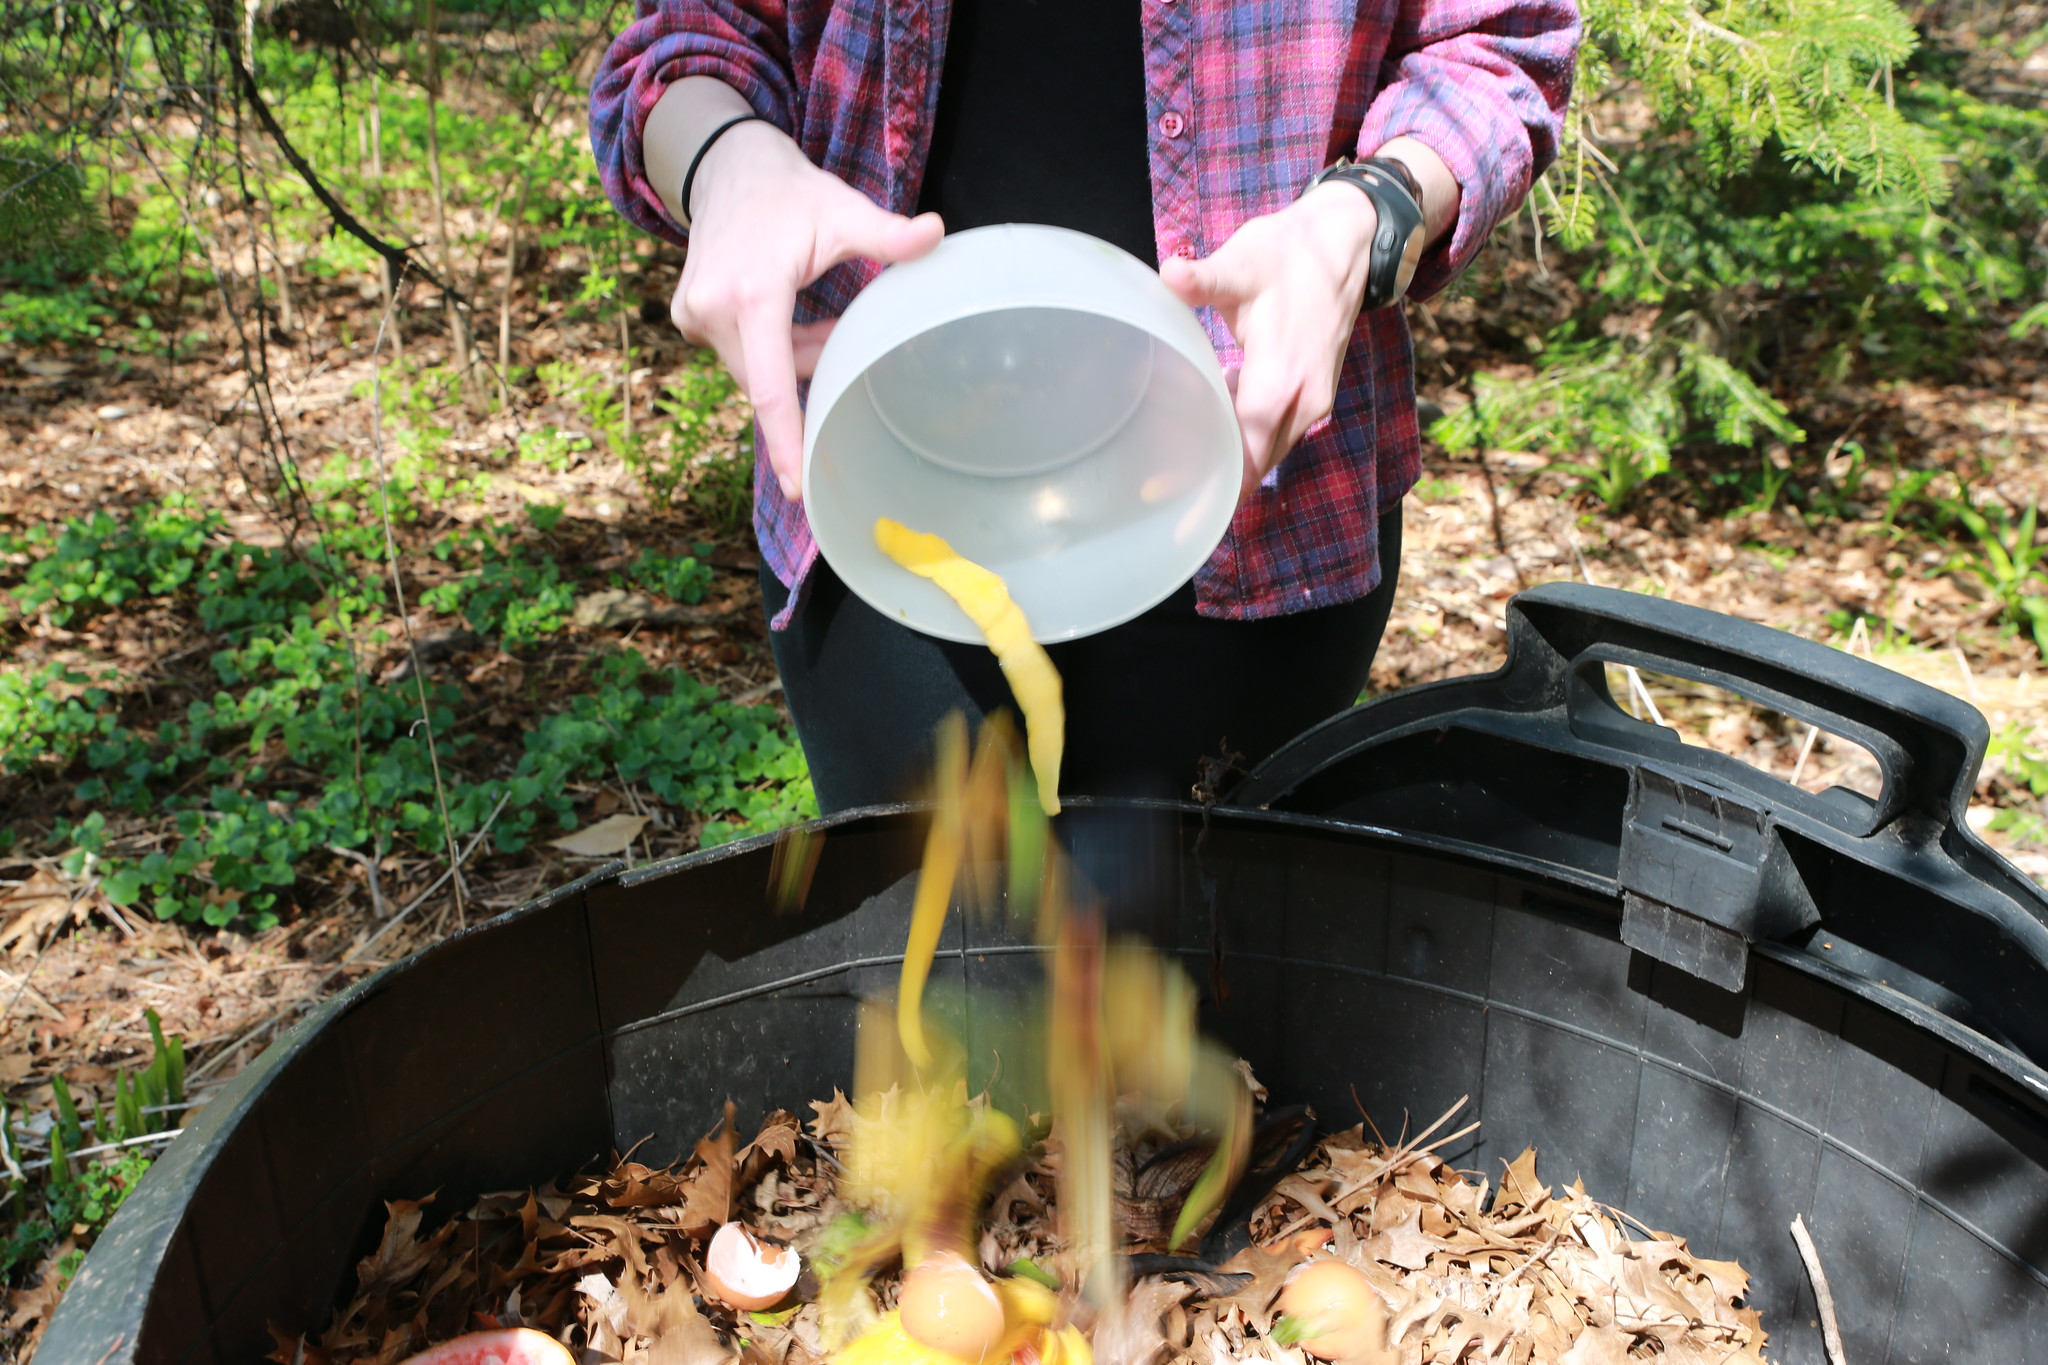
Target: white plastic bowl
1041 400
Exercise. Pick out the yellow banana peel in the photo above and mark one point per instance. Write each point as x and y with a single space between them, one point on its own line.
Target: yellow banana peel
986 600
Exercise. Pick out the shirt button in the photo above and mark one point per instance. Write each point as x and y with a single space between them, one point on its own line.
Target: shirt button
1172 124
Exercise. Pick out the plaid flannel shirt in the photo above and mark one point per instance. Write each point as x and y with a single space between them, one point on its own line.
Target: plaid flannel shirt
1248 100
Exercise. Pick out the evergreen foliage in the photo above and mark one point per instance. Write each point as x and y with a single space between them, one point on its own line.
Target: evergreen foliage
49 225
1737 174
1812 79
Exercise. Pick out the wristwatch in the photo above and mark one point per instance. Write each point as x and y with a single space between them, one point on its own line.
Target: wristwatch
1398 240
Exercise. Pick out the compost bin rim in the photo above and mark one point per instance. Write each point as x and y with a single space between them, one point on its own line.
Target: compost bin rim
96 1319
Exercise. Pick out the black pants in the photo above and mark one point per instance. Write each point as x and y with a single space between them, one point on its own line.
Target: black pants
1147 702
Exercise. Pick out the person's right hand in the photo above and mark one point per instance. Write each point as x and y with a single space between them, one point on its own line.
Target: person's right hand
765 223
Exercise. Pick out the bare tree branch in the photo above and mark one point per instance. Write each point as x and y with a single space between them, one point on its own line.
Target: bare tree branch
399 258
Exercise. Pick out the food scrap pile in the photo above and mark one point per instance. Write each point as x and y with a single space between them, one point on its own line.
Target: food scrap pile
1129 1206
626 1265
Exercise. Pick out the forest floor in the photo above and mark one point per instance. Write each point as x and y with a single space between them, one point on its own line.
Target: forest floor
89 429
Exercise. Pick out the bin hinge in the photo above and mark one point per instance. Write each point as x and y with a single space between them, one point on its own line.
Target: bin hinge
1703 875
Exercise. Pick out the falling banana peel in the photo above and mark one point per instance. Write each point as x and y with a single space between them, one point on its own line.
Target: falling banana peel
986 600
923 1159
944 847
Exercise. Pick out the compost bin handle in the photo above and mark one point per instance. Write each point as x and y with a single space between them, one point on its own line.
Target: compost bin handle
1927 743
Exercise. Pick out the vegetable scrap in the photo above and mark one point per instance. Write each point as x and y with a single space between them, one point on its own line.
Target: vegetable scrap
1383 1254
1129 1205
986 600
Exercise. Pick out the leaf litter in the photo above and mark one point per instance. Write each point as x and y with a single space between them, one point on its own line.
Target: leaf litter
932 1228
1470 1267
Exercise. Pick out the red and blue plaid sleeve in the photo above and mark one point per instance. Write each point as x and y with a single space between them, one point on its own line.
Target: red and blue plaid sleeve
744 43
1483 83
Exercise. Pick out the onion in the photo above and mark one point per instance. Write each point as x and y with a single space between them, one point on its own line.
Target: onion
1340 1313
947 1305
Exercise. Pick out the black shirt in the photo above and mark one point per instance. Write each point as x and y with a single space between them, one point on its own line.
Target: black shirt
1041 119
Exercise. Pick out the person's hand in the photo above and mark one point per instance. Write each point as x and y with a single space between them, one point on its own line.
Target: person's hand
1288 285
766 223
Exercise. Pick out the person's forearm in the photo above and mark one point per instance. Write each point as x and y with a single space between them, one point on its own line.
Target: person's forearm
687 113
1440 190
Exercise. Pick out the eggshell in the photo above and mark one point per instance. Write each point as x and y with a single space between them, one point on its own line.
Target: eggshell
1339 1305
947 1305
746 1273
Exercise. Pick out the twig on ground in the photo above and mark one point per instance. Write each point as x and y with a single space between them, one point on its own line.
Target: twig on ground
1578 555
1637 688
115 917
1805 752
145 1139
35 997
1400 1155
1963 666
419 676
1534 1258
754 695
1500 533
1861 631
419 900
1830 1328
369 865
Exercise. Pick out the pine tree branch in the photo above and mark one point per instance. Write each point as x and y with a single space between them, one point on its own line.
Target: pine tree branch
399 258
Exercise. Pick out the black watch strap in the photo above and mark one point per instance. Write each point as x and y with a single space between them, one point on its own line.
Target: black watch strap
1398 240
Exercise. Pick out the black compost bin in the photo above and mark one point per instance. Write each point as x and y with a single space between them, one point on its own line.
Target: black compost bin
1500 887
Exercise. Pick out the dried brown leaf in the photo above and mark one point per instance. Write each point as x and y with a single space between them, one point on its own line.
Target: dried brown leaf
1519 1187
1730 1280
633 1186
601 838
1404 1243
399 1255
1304 1191
1269 1270
1140 1336
613 1239
33 908
777 1138
397 1344
32 1307
1598 1346
835 1118
709 1201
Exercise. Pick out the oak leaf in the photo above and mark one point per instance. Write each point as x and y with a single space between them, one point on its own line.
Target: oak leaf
710 1195
1519 1187
399 1256
1269 1270
1598 1346
778 1136
1730 1280
1404 1244
1140 1336
835 1118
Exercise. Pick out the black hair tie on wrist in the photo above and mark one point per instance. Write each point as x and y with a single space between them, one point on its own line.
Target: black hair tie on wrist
690 176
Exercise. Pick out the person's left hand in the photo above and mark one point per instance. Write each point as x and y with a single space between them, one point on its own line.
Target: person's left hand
1288 285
